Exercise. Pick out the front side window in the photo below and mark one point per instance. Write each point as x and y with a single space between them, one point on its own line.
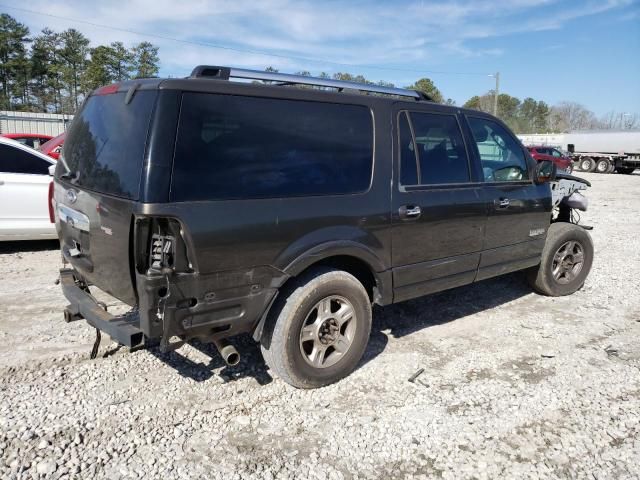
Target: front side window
501 155
14 160
232 146
556 153
441 154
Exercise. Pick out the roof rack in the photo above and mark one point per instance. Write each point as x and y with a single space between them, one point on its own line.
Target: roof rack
226 73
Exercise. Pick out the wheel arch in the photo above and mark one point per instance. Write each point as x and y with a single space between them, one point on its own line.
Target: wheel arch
351 257
348 256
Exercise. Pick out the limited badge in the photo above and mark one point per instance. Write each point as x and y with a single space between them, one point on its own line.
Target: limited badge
536 231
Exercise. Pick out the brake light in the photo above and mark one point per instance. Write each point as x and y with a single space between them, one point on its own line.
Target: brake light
107 90
52 208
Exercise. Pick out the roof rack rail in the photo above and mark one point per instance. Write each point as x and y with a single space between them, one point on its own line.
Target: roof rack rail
226 73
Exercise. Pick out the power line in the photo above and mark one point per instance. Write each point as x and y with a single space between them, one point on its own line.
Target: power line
240 50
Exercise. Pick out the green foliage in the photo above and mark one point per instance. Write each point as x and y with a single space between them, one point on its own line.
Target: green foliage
145 60
527 116
97 72
426 85
14 64
60 68
73 61
120 62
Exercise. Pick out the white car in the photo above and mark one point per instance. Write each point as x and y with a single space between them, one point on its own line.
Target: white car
24 193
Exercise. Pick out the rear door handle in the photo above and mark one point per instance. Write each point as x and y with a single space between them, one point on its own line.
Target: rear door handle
410 212
501 203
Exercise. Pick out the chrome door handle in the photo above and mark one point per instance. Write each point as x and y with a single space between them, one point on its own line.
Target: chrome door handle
501 203
409 211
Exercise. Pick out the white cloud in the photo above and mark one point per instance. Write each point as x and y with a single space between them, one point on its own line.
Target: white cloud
357 33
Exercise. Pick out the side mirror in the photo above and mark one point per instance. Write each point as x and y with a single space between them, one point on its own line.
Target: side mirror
52 169
545 172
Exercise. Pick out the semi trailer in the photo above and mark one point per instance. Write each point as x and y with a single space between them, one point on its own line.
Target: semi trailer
602 151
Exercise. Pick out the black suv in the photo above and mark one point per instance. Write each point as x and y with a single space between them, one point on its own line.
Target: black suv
217 207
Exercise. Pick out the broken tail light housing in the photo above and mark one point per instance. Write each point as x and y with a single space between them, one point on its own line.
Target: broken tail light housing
162 254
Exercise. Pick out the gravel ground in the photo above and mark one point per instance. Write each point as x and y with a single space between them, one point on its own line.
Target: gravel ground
515 385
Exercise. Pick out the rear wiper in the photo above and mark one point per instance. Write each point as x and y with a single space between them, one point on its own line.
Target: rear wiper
69 175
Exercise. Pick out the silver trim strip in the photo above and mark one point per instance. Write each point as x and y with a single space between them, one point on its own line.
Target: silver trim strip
320 82
247 74
73 218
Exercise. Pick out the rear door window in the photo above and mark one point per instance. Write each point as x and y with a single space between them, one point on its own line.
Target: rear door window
14 160
105 144
408 159
442 157
246 147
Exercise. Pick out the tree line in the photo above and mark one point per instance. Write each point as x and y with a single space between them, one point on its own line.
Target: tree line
53 71
522 116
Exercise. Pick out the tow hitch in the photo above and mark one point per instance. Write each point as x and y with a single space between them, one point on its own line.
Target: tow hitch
122 328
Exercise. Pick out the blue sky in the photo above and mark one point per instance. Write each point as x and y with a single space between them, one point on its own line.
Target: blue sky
580 50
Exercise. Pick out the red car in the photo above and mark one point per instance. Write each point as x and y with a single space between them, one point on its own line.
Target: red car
543 152
33 140
53 147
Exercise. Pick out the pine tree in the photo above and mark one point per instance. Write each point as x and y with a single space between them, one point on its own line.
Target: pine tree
13 59
145 60
73 62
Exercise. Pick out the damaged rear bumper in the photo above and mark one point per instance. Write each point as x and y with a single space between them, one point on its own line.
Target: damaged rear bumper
184 306
124 329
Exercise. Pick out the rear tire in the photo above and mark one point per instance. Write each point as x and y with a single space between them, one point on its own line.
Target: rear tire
602 165
566 261
587 164
318 329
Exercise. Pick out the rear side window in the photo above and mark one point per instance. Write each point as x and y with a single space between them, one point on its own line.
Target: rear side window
245 147
105 144
14 160
441 154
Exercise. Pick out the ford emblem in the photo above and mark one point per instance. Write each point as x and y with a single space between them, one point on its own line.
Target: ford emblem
71 196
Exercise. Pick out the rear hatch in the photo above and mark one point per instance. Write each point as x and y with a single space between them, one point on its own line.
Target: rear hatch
98 181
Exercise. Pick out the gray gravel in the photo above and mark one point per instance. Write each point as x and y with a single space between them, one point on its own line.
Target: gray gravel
515 385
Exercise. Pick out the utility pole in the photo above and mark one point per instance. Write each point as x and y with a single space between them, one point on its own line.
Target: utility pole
495 97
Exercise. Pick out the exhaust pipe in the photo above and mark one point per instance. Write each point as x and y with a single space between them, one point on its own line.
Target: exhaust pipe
228 352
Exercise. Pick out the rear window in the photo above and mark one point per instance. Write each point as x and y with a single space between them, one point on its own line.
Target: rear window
105 145
246 147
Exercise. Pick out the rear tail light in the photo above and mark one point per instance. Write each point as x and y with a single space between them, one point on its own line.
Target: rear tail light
52 208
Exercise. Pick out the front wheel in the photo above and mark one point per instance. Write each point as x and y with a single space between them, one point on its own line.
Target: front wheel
566 261
318 329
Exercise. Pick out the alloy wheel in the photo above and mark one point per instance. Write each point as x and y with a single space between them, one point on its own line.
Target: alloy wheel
567 262
328 331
